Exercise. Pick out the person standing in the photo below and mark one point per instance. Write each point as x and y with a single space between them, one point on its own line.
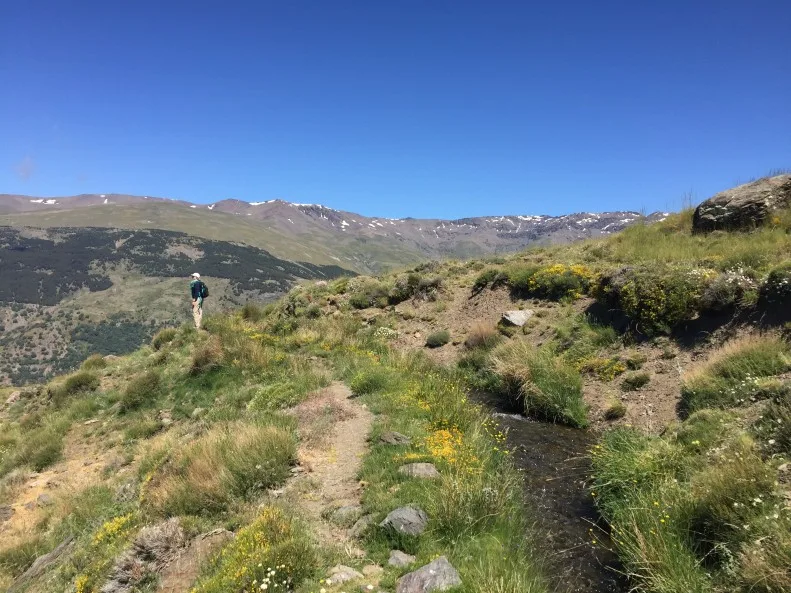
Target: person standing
197 291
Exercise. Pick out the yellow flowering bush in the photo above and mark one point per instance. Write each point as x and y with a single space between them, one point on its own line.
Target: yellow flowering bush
449 446
606 369
112 528
554 282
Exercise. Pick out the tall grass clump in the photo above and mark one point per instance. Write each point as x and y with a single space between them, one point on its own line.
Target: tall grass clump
551 388
163 337
736 373
273 552
94 362
207 356
140 390
230 462
438 339
482 336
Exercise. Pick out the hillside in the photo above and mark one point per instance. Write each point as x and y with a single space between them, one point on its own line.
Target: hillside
545 421
315 233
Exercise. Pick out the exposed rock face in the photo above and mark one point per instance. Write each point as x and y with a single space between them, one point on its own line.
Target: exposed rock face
517 318
436 576
180 574
419 470
744 207
409 520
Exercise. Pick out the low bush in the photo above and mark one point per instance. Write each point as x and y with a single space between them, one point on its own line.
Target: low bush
736 373
634 381
551 388
163 337
615 409
491 277
94 362
729 290
252 312
776 289
635 360
230 462
140 390
273 552
605 369
554 282
437 339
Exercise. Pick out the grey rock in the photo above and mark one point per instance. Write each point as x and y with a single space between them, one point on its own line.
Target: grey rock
372 570
743 207
44 500
13 398
400 559
419 470
342 574
783 468
346 515
362 524
409 520
517 318
395 438
6 512
126 492
436 576
41 564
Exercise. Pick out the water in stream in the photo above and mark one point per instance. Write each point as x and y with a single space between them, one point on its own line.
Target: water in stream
555 463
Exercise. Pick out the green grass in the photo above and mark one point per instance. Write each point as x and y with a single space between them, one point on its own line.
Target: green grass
550 387
141 390
635 380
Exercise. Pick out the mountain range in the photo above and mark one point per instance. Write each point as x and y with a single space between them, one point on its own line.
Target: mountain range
315 233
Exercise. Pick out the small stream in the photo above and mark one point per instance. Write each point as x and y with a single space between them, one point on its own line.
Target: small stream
555 463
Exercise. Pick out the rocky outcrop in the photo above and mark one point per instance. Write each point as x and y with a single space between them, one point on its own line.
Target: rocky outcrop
745 207
436 576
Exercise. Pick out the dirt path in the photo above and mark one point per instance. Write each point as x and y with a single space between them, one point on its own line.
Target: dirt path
333 439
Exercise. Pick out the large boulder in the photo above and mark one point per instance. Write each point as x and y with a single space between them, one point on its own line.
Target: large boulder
436 576
744 207
517 318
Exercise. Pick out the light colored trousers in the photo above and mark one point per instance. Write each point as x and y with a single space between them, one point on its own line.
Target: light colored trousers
197 313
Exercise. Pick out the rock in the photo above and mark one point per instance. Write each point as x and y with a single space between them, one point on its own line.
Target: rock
41 564
110 357
126 492
91 421
400 559
13 398
362 524
321 283
436 576
346 515
783 468
198 412
342 574
419 470
44 500
517 318
743 207
180 574
395 438
6 512
372 570
165 417
409 520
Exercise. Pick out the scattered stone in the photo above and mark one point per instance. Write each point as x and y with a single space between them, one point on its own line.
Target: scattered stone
321 283
30 505
346 515
44 500
342 574
91 421
110 357
297 470
743 207
395 438
436 576
165 417
198 412
6 512
517 318
277 493
41 564
426 471
372 570
409 520
362 524
400 559
13 398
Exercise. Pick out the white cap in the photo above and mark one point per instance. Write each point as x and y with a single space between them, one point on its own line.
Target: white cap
196 275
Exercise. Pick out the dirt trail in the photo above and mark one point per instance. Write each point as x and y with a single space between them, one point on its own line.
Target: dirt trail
333 439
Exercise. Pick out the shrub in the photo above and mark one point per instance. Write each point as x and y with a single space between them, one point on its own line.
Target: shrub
40 448
482 336
272 551
369 380
655 299
635 360
776 289
634 381
94 362
339 285
736 372
140 390
615 409
81 382
163 337
606 369
727 291
437 339
551 388
313 311
230 462
553 282
491 278
252 312
207 357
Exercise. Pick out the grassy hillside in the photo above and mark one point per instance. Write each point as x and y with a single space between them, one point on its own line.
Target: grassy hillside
277 424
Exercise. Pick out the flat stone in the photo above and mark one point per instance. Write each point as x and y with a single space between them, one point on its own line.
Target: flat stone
517 318
6 512
362 524
392 437
342 574
426 471
409 520
400 559
346 515
44 500
436 576
91 421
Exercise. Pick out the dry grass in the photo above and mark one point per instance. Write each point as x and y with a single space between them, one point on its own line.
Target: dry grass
481 335
721 361
207 357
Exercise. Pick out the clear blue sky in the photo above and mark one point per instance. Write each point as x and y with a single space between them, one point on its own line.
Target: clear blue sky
407 108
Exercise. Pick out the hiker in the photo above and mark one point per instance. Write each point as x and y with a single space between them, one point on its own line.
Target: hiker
198 292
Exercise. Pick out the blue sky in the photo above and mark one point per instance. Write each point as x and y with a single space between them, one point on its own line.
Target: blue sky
408 108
